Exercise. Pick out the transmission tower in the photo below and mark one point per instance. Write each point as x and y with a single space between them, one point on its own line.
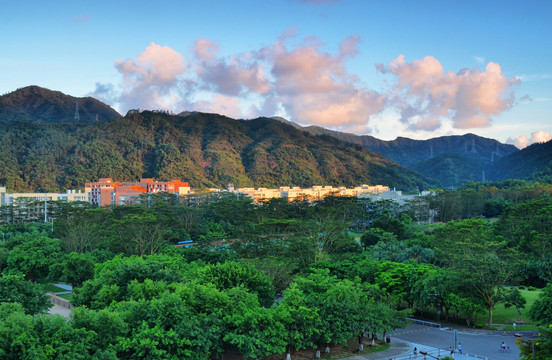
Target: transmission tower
77 115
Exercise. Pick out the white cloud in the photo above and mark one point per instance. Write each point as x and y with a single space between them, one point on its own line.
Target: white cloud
523 141
305 82
426 95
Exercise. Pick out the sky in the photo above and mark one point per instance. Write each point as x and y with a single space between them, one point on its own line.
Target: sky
416 69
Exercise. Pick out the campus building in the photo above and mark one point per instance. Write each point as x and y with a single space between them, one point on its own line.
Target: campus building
12 199
312 193
106 192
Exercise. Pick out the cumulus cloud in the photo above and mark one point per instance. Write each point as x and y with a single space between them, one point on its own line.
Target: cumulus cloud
220 104
153 80
234 76
537 137
308 83
425 95
315 88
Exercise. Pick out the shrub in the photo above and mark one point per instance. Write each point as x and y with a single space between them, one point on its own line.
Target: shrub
521 287
532 288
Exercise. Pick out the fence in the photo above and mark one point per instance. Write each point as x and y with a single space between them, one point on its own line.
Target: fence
425 323
56 300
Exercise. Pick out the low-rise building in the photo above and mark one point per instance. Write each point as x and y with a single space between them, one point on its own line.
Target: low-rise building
313 193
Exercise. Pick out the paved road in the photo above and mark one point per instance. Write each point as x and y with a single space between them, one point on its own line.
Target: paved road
60 310
483 344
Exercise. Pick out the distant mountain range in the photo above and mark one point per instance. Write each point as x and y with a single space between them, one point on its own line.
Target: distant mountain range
452 160
40 104
43 148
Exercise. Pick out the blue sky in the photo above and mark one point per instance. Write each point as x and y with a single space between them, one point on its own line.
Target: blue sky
418 69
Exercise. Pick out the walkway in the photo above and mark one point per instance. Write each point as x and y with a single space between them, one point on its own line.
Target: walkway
437 342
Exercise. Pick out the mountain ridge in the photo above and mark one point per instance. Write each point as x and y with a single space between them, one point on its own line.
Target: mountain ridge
208 150
41 104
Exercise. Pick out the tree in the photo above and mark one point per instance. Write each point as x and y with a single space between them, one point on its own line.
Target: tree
251 329
74 268
513 297
375 235
13 288
466 307
232 274
298 319
435 288
141 234
541 311
34 256
484 260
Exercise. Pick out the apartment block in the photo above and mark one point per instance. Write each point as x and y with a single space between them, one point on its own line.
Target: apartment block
106 192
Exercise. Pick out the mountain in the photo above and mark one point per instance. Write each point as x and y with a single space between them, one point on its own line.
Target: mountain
208 150
452 169
40 104
451 160
532 163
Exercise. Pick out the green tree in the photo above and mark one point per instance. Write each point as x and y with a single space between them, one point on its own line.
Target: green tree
13 288
513 297
375 235
541 310
74 269
34 256
233 274
298 319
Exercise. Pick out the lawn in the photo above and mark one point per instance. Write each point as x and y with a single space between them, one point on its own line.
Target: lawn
52 288
509 316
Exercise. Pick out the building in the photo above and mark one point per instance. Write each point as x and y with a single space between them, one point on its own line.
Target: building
312 193
105 192
26 207
12 199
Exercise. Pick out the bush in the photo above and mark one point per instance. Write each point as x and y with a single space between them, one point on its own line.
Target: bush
532 288
521 287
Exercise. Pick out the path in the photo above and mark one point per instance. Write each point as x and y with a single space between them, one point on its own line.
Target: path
437 341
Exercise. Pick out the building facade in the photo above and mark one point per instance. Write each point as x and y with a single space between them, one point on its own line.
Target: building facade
105 191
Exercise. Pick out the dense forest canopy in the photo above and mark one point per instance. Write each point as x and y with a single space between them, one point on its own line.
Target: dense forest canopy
377 262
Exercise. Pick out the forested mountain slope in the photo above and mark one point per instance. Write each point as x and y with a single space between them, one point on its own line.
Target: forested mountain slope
205 149
452 160
40 104
532 163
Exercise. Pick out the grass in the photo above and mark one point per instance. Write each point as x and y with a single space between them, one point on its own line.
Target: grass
508 316
65 296
52 288
503 318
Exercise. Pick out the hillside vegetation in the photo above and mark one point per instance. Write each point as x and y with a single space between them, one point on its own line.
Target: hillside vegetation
207 150
452 160
39 104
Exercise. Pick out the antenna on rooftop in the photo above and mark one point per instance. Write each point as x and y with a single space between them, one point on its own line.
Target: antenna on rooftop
77 115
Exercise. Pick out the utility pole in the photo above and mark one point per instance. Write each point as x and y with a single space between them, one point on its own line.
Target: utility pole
45 208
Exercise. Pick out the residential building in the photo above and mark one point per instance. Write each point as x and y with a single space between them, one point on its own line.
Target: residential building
106 192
